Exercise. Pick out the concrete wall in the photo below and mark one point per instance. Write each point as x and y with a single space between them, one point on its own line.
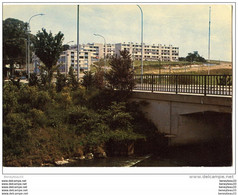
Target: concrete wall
188 119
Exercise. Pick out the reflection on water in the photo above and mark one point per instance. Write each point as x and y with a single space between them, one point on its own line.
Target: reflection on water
109 162
205 155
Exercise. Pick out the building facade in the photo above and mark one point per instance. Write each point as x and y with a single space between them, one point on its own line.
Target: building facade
69 58
92 52
150 52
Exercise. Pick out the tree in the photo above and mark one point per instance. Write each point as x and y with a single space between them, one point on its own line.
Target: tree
99 74
191 57
74 84
14 43
121 74
48 48
61 81
182 59
65 47
88 80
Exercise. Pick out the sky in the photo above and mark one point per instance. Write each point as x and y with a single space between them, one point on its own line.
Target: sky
183 25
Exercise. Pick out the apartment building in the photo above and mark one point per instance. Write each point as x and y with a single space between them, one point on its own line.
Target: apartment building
110 50
96 49
92 52
69 58
150 52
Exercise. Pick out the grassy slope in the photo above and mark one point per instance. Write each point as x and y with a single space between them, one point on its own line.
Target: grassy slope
153 68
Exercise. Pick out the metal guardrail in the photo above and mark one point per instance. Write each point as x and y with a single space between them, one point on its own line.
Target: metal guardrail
195 84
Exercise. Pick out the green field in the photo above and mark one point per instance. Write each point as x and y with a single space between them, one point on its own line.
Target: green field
181 67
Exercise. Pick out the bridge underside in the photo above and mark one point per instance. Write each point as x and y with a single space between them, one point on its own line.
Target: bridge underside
189 119
198 122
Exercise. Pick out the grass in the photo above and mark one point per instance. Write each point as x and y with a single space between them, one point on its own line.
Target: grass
137 63
212 72
154 67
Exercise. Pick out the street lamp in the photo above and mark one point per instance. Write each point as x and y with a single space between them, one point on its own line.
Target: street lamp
66 64
142 50
105 53
28 49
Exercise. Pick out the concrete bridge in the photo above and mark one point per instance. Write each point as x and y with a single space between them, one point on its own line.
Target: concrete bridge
189 119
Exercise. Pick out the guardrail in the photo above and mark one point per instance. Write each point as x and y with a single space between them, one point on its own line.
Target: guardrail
195 84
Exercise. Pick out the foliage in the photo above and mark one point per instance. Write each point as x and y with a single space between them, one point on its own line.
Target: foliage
191 57
65 47
73 83
16 82
33 80
88 80
14 42
99 71
10 93
44 124
61 81
182 58
48 48
121 74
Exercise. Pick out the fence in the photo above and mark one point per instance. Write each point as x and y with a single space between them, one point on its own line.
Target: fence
195 84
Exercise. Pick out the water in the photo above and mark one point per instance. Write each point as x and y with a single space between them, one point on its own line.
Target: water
206 155
109 162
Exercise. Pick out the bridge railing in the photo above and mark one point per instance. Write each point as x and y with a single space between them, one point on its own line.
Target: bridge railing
195 84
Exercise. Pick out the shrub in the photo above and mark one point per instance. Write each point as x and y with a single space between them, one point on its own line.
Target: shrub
33 80
88 80
61 81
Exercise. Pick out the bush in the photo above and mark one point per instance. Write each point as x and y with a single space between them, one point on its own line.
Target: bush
43 124
61 81
33 80
10 94
88 80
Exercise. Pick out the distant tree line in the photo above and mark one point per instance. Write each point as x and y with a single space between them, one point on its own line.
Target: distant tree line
193 57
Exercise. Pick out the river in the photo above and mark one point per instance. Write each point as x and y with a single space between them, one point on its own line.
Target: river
206 156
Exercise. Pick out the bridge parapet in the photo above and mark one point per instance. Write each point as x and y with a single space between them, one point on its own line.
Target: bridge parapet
220 101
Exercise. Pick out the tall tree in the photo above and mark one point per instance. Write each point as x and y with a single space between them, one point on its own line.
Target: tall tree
48 49
121 74
14 43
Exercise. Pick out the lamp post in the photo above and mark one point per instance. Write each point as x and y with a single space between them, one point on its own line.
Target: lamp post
142 50
209 40
105 53
28 48
66 63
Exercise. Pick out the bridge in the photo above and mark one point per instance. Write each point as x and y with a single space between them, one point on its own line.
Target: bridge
188 109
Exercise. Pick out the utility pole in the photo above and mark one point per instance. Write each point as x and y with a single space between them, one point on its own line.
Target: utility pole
78 67
142 49
209 41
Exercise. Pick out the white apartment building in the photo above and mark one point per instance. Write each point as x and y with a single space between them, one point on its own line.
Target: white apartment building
92 52
150 52
96 50
110 50
69 58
